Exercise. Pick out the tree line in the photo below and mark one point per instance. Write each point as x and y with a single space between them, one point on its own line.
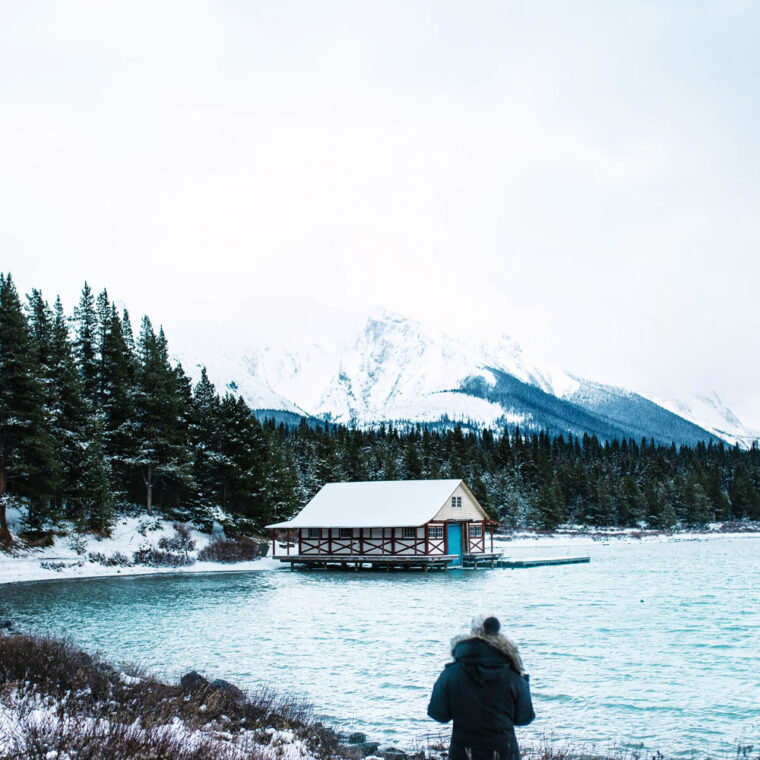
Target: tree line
94 420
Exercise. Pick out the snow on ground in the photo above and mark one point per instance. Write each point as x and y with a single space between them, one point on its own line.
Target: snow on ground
39 716
576 542
125 539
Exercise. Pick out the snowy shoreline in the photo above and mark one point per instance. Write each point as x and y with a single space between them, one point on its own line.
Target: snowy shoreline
62 561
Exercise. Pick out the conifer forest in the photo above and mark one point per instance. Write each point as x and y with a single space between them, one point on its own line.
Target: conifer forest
95 418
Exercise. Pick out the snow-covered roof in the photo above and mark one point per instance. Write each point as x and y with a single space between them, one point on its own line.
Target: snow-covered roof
374 504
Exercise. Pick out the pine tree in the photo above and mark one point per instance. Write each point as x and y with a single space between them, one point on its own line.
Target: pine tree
68 412
117 389
26 451
160 439
281 497
102 331
204 430
97 490
85 322
412 464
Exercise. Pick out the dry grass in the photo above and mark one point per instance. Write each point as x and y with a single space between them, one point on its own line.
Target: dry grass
96 704
64 733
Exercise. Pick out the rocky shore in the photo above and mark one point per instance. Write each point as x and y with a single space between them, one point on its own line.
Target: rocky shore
59 702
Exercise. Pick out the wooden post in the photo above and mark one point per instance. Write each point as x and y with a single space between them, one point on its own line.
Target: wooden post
427 540
300 541
361 542
274 543
393 541
329 540
491 539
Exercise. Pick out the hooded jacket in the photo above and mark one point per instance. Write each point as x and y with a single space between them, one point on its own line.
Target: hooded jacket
485 691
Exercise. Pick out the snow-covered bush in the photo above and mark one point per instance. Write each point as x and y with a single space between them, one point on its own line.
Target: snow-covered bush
180 541
153 557
57 567
230 550
78 542
148 524
117 559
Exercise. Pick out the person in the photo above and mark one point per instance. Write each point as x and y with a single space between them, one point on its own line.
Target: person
486 692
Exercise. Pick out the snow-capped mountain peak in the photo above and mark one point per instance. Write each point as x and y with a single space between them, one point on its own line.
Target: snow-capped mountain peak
397 370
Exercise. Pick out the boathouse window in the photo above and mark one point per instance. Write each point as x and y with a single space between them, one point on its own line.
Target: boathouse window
456 501
313 532
410 532
435 531
476 531
345 533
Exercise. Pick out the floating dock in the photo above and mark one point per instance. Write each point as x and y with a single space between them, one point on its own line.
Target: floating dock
514 563
419 562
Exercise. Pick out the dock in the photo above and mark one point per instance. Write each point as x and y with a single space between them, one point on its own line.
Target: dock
418 562
515 563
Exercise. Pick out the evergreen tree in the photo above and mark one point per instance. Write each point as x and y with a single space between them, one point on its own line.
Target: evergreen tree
97 495
244 451
85 322
117 388
68 413
281 498
26 451
412 464
160 441
103 325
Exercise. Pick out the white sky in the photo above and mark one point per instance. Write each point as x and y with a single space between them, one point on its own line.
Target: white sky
580 175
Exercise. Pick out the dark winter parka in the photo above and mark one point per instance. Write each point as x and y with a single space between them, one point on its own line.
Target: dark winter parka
486 694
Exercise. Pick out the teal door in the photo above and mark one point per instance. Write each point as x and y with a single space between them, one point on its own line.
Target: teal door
455 542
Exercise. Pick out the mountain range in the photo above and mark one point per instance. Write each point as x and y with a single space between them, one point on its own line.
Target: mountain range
396 371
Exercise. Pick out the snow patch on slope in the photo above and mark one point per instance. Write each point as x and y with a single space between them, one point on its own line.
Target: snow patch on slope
230 374
711 414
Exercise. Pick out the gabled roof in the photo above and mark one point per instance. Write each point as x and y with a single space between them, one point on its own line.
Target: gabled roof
374 504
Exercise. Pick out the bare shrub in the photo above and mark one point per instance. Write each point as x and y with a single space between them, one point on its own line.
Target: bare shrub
149 555
148 524
180 541
92 687
230 550
117 559
48 564
65 733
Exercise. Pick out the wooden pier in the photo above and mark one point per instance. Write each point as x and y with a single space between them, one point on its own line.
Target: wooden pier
489 559
419 562
515 563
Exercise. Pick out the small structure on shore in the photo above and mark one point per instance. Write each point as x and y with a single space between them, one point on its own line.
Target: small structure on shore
390 523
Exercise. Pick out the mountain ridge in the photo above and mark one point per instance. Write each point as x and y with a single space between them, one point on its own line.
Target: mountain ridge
397 371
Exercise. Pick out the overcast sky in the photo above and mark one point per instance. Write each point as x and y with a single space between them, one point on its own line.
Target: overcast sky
580 175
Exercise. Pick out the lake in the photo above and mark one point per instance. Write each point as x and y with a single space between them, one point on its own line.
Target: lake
653 642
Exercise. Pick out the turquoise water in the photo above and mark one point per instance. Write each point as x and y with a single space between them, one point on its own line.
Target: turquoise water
655 643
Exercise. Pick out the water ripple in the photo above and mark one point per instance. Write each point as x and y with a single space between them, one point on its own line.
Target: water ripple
653 643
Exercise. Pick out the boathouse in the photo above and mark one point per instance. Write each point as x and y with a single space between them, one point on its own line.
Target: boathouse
389 523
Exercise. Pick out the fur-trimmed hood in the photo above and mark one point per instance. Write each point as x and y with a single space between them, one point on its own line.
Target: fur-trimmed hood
497 641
